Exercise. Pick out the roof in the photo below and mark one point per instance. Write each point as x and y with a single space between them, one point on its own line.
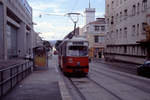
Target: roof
78 39
98 21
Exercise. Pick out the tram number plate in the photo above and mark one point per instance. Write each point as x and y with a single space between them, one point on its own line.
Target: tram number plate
77 70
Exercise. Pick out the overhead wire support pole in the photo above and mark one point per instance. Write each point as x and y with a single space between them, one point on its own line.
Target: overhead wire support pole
71 15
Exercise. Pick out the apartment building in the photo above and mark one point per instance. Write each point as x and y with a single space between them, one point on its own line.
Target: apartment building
95 34
16 29
125 20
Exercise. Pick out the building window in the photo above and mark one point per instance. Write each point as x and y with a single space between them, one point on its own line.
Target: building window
125 49
107 21
112 4
97 28
117 34
112 20
138 8
133 30
87 28
101 39
120 33
11 41
138 29
120 16
102 28
108 9
96 39
120 1
144 4
133 10
125 14
117 18
117 2
125 32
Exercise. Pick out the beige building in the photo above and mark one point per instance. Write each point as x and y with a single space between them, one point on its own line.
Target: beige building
94 31
16 29
95 34
125 20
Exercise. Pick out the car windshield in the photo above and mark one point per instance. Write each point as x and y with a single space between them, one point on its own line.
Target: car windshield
77 51
147 63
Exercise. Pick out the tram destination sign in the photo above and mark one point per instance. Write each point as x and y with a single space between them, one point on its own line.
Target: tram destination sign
78 43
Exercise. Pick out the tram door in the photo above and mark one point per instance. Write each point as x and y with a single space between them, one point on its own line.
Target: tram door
40 57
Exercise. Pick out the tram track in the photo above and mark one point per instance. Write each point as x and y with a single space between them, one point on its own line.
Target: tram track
96 85
77 89
141 88
69 82
124 74
105 89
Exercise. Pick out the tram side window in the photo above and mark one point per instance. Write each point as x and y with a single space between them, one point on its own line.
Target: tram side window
61 50
78 51
64 51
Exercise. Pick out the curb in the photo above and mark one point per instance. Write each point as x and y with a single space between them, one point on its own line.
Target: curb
63 89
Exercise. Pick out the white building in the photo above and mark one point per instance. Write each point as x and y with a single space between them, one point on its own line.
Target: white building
89 15
94 31
125 20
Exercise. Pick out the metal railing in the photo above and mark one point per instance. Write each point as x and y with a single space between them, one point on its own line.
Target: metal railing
10 76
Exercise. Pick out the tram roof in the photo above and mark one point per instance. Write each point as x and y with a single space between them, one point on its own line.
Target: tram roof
77 39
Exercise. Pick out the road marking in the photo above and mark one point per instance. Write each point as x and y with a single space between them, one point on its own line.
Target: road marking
56 69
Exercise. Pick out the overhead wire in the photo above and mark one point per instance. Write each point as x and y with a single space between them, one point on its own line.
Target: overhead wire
75 5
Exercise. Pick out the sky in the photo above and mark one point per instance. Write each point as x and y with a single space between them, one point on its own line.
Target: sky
53 23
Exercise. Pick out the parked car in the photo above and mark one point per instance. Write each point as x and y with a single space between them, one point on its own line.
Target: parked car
144 70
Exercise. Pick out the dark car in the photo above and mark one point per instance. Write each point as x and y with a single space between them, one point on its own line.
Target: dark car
144 70
55 52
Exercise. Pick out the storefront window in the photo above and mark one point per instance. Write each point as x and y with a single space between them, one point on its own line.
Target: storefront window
11 41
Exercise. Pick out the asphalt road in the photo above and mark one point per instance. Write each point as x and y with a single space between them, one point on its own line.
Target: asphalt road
106 83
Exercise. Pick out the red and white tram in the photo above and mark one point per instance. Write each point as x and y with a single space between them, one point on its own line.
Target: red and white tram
73 56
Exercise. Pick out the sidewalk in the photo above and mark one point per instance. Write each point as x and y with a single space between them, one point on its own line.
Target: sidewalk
40 85
115 63
118 65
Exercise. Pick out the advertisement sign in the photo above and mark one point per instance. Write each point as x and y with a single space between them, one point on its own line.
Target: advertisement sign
40 57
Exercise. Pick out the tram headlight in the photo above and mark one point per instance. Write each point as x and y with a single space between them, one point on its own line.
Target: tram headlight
70 60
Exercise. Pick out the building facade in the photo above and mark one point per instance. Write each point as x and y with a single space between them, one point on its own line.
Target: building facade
16 29
125 20
89 15
37 40
95 34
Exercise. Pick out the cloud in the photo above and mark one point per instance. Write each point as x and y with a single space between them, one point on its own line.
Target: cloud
51 31
42 6
100 14
56 27
43 26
